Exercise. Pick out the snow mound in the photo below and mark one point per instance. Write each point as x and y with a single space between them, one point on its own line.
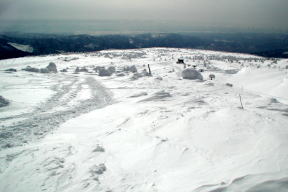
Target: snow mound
159 96
191 74
139 94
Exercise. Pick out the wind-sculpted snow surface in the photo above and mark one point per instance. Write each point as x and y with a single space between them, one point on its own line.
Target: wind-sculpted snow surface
250 183
161 133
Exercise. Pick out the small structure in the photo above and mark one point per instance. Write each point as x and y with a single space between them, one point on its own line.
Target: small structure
211 76
180 61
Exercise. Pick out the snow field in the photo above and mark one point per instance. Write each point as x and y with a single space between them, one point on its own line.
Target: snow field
155 134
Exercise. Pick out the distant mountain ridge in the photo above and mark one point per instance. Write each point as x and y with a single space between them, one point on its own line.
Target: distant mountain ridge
267 45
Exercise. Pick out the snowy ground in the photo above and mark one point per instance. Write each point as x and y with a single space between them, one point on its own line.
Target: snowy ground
69 132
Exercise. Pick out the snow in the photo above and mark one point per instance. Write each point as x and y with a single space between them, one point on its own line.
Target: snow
269 82
156 133
21 47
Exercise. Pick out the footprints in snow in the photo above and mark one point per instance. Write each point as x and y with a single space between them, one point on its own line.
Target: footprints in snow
96 170
61 169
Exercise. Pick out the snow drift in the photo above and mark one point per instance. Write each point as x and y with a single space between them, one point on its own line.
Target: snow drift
190 73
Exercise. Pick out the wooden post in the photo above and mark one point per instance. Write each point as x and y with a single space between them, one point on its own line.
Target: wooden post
241 102
150 74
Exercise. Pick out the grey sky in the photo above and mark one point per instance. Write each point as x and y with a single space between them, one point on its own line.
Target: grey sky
235 13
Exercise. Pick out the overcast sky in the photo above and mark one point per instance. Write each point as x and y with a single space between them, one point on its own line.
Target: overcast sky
235 13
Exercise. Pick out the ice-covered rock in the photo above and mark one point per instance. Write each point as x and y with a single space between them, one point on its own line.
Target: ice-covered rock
83 69
3 102
98 169
63 70
120 74
44 70
132 69
111 69
11 70
104 72
190 73
99 148
52 67
136 76
77 70
31 69
229 84
96 69
159 78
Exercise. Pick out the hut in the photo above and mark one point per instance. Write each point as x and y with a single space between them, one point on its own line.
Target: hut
180 61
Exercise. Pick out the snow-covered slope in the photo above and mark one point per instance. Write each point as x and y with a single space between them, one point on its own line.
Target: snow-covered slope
267 82
69 132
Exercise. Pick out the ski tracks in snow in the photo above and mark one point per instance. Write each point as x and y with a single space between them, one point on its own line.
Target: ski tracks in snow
62 106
